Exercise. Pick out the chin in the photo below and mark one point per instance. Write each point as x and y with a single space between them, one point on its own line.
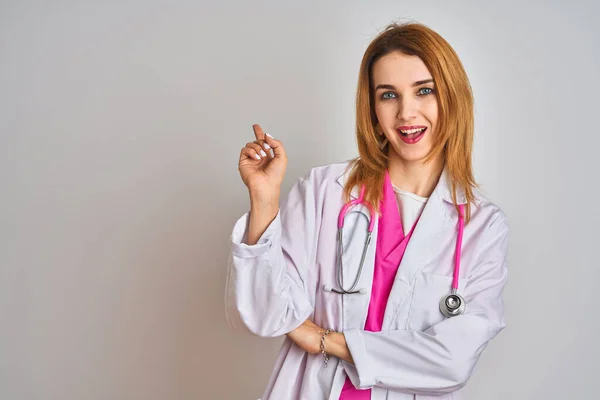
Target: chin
412 155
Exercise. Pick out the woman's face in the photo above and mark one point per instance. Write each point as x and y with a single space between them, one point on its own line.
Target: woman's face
405 104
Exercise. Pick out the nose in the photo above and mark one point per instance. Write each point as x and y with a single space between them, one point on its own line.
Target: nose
407 109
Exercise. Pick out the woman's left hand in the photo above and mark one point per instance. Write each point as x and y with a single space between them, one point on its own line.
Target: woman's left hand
308 337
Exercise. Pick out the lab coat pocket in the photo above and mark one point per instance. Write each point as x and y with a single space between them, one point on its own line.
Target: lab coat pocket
425 306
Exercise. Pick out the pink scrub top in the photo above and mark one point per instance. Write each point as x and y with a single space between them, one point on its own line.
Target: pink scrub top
391 244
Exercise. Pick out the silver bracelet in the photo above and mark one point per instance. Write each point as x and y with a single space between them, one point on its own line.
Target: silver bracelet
326 356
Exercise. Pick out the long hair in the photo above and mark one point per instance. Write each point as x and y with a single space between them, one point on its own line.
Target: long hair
455 128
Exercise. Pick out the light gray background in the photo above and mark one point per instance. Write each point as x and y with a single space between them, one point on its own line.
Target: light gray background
121 126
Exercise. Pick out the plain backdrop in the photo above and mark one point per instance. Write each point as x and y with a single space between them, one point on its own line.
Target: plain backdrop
120 129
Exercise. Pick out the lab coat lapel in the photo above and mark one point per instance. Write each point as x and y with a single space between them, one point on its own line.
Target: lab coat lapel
421 249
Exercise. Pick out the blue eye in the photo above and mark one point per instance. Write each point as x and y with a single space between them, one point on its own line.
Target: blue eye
429 91
384 97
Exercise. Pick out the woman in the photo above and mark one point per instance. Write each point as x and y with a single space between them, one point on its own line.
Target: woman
397 335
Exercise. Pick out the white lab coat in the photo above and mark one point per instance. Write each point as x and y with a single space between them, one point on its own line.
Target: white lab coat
275 285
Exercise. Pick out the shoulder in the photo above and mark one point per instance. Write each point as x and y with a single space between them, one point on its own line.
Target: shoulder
325 175
487 214
328 172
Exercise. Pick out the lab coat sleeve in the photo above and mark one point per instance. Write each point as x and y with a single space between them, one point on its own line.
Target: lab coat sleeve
442 358
266 282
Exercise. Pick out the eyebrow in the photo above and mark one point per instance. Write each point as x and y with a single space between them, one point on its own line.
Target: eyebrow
417 83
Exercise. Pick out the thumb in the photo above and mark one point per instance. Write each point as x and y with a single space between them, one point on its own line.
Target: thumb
276 145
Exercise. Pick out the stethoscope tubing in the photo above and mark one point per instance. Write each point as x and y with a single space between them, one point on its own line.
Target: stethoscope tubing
451 305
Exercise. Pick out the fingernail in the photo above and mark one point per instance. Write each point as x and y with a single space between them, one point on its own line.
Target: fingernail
266 146
269 136
262 153
257 156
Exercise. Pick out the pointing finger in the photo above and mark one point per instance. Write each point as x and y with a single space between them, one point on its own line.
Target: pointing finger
258 132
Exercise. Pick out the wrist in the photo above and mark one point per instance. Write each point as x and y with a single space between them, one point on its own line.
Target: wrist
260 199
335 344
332 343
263 211
323 345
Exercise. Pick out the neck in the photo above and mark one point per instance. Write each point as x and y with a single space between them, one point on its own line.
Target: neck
415 176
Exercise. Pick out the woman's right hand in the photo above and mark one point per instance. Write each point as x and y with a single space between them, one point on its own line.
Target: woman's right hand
262 173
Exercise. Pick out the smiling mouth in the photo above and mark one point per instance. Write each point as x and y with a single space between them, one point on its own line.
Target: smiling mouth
411 133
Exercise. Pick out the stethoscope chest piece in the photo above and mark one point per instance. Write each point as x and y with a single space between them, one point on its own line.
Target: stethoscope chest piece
452 305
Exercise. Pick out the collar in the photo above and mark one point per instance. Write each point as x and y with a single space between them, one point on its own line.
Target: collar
443 188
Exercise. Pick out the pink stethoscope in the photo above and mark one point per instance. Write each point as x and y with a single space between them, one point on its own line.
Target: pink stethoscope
451 305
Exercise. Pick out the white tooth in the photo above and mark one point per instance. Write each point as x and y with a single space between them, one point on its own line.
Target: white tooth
411 131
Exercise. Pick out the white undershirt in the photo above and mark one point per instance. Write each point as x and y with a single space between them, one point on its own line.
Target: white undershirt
410 206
